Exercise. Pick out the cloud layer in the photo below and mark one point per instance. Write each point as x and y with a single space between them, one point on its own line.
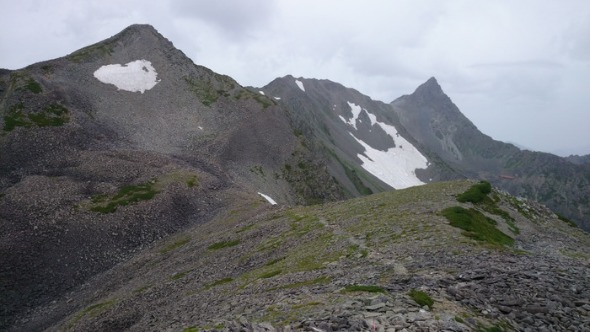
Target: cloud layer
517 69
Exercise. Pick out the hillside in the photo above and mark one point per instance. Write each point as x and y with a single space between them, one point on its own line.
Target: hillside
364 264
141 191
123 143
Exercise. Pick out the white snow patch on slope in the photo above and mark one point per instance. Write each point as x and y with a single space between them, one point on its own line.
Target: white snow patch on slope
277 98
135 76
396 166
300 85
356 111
261 92
270 200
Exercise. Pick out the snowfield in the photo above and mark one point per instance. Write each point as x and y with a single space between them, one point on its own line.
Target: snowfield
135 76
396 166
270 200
300 85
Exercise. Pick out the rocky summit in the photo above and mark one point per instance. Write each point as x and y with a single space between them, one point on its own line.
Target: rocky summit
140 191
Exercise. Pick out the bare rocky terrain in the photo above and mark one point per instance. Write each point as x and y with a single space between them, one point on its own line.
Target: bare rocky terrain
345 266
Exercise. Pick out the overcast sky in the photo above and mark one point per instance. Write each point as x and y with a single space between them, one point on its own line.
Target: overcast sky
520 70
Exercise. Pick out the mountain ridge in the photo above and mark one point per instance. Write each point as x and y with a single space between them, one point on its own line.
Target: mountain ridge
94 173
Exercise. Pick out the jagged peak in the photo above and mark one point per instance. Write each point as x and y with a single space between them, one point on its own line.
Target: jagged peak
430 87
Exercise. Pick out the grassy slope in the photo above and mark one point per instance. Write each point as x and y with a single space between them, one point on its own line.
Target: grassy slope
282 253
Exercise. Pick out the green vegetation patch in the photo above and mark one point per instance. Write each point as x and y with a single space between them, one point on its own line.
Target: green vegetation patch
192 181
265 102
567 221
477 193
270 274
421 298
224 244
476 225
205 89
364 288
54 115
91 311
219 282
176 244
127 195
100 50
33 86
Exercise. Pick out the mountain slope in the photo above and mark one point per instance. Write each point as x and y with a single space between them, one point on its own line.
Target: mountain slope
122 143
368 149
347 265
432 119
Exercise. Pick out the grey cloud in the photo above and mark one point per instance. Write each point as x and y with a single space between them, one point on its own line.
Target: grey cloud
233 18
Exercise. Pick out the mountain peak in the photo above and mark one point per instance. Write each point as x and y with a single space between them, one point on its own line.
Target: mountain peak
429 88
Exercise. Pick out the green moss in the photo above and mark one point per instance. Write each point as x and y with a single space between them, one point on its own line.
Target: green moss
264 101
100 50
142 290
192 181
476 225
175 245
33 86
219 282
274 261
567 221
191 329
245 228
270 274
127 195
476 193
16 119
224 244
203 89
364 288
91 311
421 298
54 115
179 275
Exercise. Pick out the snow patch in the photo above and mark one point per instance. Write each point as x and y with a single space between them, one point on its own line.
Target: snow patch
261 92
277 98
135 76
300 85
356 111
270 200
201 128
396 166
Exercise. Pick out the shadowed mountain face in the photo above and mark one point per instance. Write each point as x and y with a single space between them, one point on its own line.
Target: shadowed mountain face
117 155
432 119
